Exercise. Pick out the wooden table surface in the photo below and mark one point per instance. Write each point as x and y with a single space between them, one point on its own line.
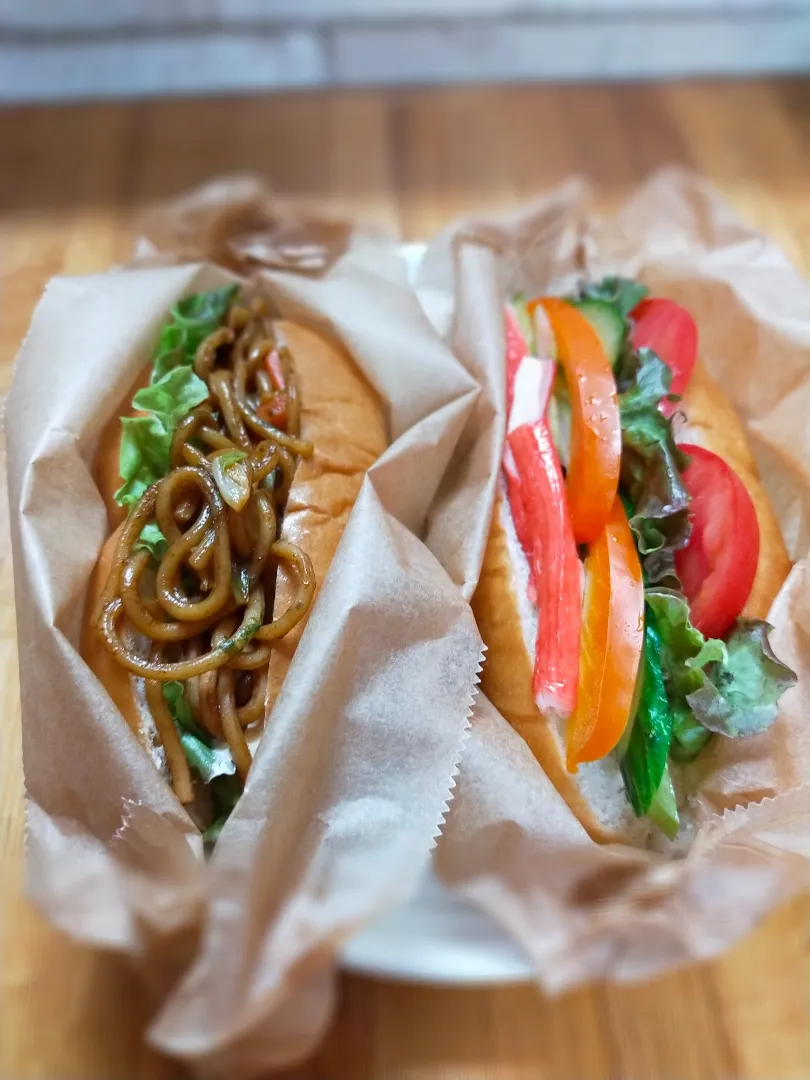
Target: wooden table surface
72 181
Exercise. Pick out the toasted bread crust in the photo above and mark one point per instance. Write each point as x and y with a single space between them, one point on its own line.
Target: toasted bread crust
342 417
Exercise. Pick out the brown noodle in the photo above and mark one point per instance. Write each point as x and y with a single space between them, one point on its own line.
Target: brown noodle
203 608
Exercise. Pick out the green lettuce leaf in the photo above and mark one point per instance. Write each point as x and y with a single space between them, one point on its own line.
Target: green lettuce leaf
684 651
738 696
207 761
225 792
203 312
171 351
172 397
146 440
174 391
623 293
651 465
152 540
730 687
175 694
193 319
145 445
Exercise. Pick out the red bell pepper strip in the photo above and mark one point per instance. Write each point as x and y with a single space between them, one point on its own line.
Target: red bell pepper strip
555 569
275 370
274 410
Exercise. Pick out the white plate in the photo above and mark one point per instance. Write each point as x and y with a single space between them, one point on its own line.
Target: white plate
437 938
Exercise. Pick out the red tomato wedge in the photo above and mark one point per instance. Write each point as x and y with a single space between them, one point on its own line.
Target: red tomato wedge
596 434
718 567
670 331
612 640
555 568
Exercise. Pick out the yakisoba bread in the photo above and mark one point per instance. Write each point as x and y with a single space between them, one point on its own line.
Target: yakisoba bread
227 486
632 557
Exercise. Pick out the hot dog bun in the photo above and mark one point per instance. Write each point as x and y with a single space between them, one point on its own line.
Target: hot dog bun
115 678
342 415
508 622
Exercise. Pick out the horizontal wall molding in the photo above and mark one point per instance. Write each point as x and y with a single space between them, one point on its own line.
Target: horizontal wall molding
49 16
531 41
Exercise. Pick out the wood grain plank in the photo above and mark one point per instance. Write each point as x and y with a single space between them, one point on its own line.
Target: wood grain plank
65 1012
653 138
452 154
72 181
762 989
670 1019
744 141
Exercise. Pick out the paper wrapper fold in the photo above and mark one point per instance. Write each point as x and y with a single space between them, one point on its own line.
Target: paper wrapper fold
510 843
352 777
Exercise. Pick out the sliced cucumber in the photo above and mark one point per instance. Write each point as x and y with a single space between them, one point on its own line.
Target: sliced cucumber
664 809
524 320
608 323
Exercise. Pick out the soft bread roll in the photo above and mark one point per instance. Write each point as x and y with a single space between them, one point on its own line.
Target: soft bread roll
342 415
116 678
508 622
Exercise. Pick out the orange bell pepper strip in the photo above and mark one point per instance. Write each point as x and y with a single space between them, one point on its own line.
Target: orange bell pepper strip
611 643
596 434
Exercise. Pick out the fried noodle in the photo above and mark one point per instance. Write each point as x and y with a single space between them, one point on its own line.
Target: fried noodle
204 605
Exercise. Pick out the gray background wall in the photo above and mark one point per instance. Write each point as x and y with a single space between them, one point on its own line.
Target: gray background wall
74 49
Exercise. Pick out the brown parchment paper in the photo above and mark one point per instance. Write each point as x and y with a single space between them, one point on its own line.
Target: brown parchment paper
352 777
510 843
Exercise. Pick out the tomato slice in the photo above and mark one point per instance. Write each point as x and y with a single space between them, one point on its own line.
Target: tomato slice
670 331
611 644
718 567
596 434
